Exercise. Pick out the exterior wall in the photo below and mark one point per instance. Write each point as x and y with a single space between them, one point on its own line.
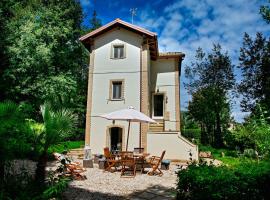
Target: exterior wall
163 76
106 69
176 146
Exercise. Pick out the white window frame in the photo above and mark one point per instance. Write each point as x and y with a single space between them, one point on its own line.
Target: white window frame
122 89
118 45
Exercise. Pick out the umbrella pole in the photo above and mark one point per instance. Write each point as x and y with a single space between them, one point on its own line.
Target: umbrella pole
128 134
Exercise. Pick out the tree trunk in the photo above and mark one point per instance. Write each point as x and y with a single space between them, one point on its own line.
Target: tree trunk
218 136
41 167
2 172
204 136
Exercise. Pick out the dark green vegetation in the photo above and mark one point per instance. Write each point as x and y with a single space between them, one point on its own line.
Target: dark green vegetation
43 86
249 180
244 149
211 78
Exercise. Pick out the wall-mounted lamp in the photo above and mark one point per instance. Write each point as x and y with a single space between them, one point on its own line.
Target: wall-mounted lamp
113 122
166 99
157 89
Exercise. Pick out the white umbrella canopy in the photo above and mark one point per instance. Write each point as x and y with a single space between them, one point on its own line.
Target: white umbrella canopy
130 115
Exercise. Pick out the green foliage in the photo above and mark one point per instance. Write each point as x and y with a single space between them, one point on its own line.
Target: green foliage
192 134
65 146
45 59
250 180
265 12
57 126
254 63
56 189
211 78
255 134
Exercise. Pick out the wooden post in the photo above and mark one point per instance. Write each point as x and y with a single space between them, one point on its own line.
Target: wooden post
128 134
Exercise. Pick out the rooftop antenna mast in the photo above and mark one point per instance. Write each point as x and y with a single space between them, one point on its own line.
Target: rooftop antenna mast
133 13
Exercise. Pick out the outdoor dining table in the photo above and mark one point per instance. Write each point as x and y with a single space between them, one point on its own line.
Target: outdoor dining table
141 158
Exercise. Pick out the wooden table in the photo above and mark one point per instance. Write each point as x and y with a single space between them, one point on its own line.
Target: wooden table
141 158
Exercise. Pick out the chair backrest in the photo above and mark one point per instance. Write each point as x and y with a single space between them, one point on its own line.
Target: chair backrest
107 153
159 160
126 154
162 155
138 150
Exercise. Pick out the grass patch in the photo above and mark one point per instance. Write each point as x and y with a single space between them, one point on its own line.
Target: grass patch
231 157
65 146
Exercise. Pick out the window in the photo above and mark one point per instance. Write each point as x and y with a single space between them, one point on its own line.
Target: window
117 90
118 51
158 105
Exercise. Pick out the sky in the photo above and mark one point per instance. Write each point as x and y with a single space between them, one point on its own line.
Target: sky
185 25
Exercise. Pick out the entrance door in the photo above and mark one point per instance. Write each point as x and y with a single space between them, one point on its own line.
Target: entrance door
158 106
116 138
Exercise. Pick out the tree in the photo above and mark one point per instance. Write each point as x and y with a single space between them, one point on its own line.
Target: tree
255 66
45 58
265 12
15 135
57 125
211 80
95 22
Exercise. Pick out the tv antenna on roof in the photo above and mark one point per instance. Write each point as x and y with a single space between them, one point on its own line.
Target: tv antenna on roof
133 13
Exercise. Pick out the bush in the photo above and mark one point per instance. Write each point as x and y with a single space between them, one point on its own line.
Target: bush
248 181
192 134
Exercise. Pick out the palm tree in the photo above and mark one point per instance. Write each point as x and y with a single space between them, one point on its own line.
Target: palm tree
57 125
14 134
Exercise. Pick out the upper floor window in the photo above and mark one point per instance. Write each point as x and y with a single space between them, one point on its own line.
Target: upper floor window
118 51
117 89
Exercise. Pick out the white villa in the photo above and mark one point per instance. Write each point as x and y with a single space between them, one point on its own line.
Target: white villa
126 69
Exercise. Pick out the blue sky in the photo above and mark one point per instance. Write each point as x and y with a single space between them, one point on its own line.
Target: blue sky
185 25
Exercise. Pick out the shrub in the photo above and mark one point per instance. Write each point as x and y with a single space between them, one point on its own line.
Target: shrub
248 181
192 134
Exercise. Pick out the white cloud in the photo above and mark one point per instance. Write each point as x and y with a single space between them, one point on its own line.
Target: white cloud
186 25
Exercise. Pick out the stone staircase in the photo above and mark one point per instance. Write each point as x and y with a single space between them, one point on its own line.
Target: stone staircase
159 127
76 153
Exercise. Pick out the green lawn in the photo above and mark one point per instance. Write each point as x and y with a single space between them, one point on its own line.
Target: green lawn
230 158
63 146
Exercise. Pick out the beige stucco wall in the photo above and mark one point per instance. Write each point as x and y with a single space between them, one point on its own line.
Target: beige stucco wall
177 147
106 69
163 79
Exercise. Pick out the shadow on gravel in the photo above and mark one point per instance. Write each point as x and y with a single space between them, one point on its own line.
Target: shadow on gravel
155 192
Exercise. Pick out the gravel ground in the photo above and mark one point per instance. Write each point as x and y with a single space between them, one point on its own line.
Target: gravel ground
107 185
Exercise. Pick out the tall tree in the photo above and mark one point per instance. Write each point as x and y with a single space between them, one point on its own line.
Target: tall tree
212 75
255 66
265 12
46 60
95 22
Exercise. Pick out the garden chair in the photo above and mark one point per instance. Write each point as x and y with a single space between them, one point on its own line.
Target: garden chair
155 162
111 160
128 164
69 168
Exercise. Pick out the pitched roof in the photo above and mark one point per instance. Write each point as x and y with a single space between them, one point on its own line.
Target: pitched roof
117 22
149 36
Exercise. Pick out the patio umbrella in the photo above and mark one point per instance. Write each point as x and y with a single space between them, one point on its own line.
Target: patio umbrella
130 115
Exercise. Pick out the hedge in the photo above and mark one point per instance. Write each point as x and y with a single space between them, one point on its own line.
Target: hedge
248 181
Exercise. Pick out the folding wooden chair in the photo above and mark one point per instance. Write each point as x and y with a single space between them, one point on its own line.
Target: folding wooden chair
128 164
155 161
110 160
